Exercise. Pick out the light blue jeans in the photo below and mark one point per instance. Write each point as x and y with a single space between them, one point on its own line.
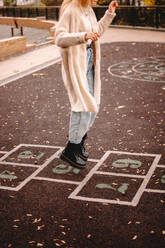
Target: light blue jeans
81 122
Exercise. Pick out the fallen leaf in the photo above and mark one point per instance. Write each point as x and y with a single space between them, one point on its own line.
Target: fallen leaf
39 244
134 237
32 242
36 220
40 227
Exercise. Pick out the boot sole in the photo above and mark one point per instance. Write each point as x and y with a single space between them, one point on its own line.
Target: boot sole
64 158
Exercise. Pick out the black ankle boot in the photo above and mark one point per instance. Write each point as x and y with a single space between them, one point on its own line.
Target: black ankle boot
83 154
71 155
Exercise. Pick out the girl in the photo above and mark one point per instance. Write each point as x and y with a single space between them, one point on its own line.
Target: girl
77 34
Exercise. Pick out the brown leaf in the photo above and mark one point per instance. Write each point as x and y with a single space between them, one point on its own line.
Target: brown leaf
40 227
39 244
134 237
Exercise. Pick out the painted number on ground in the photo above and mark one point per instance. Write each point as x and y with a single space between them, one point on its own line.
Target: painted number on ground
30 155
123 163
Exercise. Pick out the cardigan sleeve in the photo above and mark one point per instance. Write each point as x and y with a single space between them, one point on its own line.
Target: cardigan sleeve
105 21
64 38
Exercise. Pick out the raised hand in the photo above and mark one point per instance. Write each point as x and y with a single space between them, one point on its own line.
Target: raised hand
112 6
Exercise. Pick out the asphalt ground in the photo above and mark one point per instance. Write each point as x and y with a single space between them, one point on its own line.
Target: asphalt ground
118 200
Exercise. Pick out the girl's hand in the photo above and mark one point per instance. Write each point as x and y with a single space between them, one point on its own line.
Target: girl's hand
92 36
112 6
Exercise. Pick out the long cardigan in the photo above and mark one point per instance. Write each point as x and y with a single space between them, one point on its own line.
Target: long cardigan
69 36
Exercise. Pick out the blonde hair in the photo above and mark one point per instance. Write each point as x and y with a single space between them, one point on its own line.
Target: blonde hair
79 3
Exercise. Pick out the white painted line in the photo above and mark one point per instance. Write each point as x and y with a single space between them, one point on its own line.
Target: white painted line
55 180
119 174
20 164
9 153
134 153
45 146
8 188
141 189
28 72
93 160
35 173
88 176
155 191
25 164
101 200
160 166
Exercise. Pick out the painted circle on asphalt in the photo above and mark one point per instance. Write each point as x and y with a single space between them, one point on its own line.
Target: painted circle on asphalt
151 69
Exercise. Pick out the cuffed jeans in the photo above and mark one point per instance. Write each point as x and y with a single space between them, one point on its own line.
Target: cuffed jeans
81 122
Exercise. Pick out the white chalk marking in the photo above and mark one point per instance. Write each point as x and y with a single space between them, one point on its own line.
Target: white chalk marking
56 180
119 174
45 146
155 191
82 198
8 188
35 173
9 153
88 176
160 166
20 164
141 189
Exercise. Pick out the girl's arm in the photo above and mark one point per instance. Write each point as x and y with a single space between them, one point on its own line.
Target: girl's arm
107 18
65 39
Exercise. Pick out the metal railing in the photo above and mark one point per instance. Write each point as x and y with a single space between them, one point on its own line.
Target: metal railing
149 16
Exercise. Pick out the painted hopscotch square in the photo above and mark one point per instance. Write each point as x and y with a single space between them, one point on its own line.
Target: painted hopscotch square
57 169
127 163
157 180
30 154
109 188
12 175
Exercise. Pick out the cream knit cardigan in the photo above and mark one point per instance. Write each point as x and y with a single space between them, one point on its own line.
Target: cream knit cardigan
69 36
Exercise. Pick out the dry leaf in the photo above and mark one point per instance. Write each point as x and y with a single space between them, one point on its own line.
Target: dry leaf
57 244
16 220
15 226
134 237
36 220
39 244
40 227
89 235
